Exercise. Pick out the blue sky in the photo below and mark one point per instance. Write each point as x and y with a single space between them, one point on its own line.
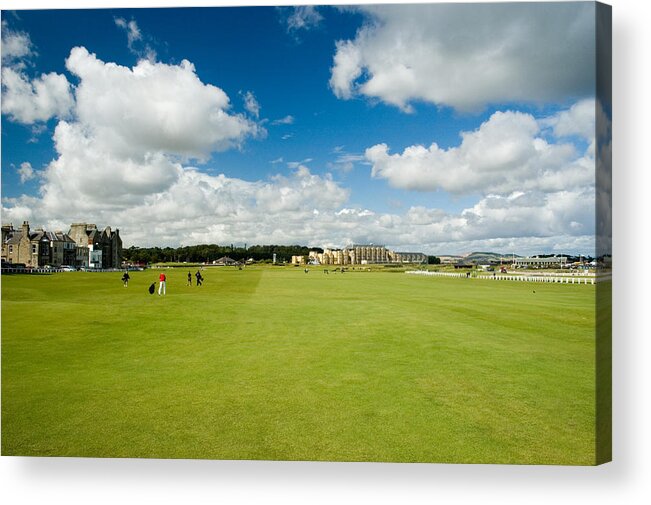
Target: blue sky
436 128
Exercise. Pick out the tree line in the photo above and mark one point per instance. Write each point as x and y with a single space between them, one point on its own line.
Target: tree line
207 253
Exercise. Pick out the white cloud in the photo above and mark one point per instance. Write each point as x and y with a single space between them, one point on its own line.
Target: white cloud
506 153
16 46
467 56
120 156
26 100
30 101
193 207
285 120
131 28
298 164
305 208
345 162
154 108
577 120
135 39
303 17
26 172
522 222
251 104
88 174
122 160
348 66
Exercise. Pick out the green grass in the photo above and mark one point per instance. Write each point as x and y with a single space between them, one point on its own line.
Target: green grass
271 363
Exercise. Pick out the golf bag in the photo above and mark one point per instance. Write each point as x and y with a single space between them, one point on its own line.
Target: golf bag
152 288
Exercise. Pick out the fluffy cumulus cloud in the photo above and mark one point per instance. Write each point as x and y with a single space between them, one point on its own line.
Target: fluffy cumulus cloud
506 153
16 46
26 172
123 158
534 195
524 222
578 120
534 188
467 56
25 99
154 108
130 143
30 101
193 207
122 154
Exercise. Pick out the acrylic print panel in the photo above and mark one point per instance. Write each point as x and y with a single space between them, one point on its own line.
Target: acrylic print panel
372 233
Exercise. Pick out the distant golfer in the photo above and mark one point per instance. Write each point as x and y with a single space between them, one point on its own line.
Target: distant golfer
125 279
199 278
162 281
189 279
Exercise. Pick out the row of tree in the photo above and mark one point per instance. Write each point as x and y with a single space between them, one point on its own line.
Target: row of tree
207 253
210 252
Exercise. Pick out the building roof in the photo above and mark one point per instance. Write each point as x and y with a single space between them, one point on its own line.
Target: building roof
225 260
14 238
58 236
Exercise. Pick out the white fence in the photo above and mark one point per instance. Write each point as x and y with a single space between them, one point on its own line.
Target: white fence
519 278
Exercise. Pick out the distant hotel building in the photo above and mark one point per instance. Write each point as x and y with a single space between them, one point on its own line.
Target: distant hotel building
83 246
553 261
366 254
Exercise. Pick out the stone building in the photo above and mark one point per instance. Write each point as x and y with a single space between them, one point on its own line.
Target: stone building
409 257
361 254
37 248
299 260
83 246
104 247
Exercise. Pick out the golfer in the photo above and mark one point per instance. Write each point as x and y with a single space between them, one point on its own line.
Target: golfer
162 280
125 279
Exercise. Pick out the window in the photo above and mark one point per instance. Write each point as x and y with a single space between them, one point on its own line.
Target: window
33 248
11 249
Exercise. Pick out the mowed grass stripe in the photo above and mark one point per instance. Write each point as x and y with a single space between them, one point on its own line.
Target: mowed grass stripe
272 363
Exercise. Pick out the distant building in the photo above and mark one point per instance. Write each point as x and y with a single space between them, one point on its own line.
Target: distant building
83 246
450 260
299 260
225 261
104 248
360 254
550 262
36 248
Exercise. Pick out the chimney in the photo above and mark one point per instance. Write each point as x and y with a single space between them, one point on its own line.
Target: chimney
25 229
